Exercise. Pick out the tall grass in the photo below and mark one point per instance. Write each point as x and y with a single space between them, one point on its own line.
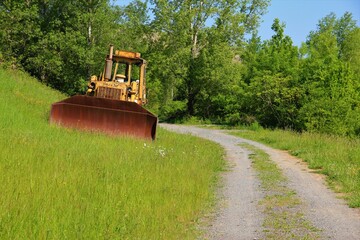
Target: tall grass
336 157
59 183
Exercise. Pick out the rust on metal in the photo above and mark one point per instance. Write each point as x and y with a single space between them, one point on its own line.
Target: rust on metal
105 115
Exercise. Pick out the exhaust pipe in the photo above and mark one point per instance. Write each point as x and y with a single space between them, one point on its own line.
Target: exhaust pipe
108 64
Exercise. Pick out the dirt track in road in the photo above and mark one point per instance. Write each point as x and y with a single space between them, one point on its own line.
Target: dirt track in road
239 216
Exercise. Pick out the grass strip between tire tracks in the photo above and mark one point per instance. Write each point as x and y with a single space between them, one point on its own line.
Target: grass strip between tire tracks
281 206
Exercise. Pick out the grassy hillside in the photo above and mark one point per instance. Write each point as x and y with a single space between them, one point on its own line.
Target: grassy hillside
58 183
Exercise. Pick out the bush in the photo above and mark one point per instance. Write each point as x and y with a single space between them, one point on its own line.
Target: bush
255 126
233 119
236 119
173 111
193 120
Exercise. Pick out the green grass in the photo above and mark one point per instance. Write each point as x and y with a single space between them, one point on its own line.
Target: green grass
58 183
336 157
282 207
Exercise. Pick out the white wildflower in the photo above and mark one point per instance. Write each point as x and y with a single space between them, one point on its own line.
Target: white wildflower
162 152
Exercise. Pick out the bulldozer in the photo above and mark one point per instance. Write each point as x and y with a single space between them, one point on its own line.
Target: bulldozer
113 100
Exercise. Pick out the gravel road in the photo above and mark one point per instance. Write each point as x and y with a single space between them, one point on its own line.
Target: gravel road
239 216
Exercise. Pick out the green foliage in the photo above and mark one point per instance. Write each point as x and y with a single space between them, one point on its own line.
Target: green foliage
314 88
233 119
351 51
173 111
190 47
331 86
255 126
133 27
221 88
276 100
273 92
200 63
61 40
192 120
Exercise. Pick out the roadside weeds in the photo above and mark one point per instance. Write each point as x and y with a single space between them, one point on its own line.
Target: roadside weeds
335 157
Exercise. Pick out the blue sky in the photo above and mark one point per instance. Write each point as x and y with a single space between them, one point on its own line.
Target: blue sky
300 16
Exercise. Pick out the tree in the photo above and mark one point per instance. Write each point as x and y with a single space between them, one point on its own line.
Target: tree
221 95
19 28
351 51
273 93
133 29
183 31
332 92
62 42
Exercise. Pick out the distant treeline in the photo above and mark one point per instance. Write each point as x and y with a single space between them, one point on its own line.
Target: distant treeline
202 62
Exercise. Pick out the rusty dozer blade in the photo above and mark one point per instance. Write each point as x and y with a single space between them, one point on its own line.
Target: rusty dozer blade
105 115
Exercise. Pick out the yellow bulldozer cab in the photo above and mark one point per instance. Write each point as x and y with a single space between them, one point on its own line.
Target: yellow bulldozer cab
123 78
